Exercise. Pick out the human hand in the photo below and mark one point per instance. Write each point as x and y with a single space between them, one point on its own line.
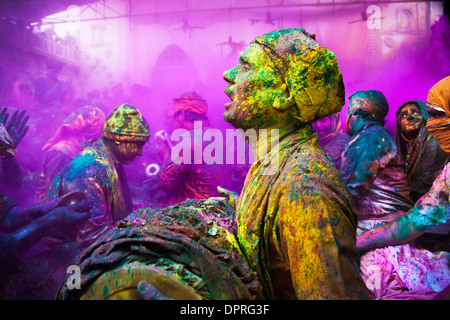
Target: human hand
7 149
4 114
231 198
63 222
149 292
74 199
16 126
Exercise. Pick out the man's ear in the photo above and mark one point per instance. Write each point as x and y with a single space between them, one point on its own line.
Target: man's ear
281 101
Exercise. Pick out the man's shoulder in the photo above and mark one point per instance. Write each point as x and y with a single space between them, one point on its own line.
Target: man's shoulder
307 161
375 137
376 131
87 160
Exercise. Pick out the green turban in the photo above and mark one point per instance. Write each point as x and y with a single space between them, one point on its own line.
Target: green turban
126 123
309 71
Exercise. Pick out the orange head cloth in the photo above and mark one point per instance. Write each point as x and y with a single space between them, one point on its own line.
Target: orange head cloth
83 124
189 101
439 99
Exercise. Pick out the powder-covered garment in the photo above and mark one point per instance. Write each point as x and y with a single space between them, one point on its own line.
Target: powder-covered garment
296 224
405 272
409 271
193 241
52 163
431 213
95 173
375 174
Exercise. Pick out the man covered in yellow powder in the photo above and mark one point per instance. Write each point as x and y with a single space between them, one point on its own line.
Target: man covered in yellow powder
97 171
296 224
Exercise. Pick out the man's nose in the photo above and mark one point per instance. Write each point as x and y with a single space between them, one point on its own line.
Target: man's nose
230 74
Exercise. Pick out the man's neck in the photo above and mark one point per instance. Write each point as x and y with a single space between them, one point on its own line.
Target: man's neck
109 147
268 139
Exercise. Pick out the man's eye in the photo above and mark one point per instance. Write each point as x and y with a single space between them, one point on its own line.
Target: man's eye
245 66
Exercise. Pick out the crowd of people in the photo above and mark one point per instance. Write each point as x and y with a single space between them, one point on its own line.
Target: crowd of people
345 212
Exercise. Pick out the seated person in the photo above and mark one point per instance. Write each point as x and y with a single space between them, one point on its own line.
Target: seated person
423 156
425 272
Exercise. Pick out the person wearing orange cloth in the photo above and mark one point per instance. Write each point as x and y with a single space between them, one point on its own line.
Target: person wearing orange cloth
426 272
296 225
190 179
83 124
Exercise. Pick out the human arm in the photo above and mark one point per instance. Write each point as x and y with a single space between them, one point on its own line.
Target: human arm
149 292
18 217
431 214
390 234
60 221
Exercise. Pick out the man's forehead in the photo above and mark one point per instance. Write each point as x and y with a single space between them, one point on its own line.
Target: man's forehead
409 106
254 54
357 101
